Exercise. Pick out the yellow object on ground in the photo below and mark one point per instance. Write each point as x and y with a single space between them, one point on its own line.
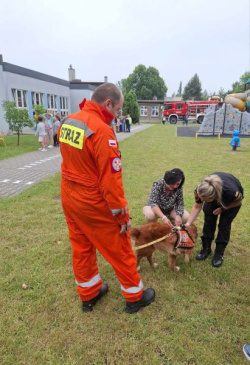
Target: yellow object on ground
2 139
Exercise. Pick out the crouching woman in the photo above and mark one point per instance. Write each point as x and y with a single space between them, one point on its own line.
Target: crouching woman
220 194
166 199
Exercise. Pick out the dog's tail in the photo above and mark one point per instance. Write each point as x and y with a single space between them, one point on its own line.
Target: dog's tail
135 232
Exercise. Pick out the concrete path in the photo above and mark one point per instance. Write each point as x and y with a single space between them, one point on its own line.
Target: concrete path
21 172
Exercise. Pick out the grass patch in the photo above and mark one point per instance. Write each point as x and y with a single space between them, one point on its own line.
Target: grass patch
200 316
28 143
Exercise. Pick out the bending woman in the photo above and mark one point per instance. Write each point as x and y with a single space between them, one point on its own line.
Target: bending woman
219 194
166 199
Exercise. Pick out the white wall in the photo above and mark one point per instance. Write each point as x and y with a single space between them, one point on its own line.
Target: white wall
77 96
3 125
14 81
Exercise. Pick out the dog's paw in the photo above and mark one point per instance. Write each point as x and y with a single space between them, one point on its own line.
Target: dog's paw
138 268
177 268
155 265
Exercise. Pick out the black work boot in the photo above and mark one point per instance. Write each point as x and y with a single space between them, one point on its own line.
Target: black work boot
217 260
205 252
147 298
87 306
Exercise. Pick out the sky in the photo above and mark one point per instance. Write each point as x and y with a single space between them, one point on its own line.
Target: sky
110 38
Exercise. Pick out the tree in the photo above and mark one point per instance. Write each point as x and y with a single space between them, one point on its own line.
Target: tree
204 95
39 109
145 82
16 118
239 86
222 93
179 92
193 89
131 106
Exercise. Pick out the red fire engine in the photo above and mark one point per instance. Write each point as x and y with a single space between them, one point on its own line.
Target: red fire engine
176 110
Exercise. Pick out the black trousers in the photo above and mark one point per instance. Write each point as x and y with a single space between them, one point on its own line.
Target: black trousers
224 226
55 139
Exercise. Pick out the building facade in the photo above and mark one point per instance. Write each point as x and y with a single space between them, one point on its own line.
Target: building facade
151 110
28 88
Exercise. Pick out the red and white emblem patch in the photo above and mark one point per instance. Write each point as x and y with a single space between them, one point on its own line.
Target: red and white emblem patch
112 143
184 237
116 164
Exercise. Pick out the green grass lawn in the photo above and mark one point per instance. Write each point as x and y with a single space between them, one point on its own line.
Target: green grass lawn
200 315
27 143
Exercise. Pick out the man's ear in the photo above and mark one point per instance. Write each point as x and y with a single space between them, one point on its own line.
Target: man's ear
107 104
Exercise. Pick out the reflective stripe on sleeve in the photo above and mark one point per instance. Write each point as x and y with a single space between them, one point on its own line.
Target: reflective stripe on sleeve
118 211
133 289
90 283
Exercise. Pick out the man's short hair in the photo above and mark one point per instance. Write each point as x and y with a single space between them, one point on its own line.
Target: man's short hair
106 91
40 118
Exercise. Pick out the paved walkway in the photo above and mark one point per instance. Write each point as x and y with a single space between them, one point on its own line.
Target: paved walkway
21 172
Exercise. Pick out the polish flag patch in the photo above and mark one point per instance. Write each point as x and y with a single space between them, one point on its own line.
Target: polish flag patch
116 164
112 143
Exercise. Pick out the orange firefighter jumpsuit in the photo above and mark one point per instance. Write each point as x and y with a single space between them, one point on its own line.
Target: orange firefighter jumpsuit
93 201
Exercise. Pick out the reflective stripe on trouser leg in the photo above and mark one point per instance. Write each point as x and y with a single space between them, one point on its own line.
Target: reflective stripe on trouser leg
133 289
89 283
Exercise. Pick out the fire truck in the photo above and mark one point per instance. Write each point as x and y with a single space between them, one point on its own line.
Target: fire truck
176 110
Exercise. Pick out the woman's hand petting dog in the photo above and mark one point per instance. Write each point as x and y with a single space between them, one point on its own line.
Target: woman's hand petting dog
165 220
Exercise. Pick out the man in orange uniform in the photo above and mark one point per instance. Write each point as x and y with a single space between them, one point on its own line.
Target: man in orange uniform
93 201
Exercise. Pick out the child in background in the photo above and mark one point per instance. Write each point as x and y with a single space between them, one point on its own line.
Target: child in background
56 125
40 131
236 140
49 127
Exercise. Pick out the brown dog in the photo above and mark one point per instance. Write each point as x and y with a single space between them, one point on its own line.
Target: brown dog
154 230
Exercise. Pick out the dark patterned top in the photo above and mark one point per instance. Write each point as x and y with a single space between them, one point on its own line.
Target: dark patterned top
231 189
166 202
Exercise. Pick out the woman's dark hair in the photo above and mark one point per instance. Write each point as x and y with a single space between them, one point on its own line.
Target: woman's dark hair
172 176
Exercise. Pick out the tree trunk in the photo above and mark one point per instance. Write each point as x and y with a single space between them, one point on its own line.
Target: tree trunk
18 137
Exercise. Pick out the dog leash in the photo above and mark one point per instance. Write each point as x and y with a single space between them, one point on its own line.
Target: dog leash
151 243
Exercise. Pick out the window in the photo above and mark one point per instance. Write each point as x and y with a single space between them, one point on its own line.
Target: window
155 111
64 105
143 111
168 106
179 106
37 98
20 98
52 103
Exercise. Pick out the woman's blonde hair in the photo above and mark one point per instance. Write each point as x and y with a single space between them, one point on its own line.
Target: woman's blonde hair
211 188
